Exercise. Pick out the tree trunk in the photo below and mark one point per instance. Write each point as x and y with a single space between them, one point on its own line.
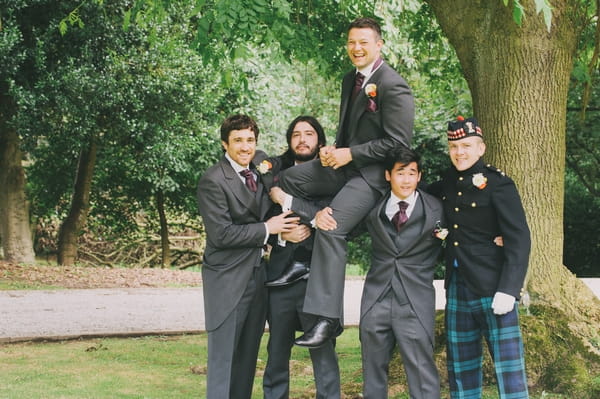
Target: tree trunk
15 229
164 229
74 223
519 77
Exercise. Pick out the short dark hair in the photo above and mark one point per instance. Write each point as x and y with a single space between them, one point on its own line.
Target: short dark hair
402 155
365 22
238 122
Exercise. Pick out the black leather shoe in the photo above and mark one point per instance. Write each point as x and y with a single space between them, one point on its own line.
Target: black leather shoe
295 272
324 330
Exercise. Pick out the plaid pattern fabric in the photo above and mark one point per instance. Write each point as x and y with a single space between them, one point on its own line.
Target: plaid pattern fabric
468 319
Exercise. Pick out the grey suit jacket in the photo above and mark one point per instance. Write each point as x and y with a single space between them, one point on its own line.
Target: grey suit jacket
415 263
370 135
233 218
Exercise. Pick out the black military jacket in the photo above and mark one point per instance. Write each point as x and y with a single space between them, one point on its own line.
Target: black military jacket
480 204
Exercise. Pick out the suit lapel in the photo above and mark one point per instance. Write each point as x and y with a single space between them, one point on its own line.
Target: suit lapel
358 107
428 209
380 232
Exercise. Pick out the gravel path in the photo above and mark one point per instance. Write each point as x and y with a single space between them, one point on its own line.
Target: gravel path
67 314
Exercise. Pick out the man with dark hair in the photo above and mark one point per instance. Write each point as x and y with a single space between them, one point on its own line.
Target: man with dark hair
233 202
304 137
376 116
398 300
483 280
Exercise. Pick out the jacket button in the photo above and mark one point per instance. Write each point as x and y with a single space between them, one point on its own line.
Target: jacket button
456 209
455 226
456 243
459 193
473 204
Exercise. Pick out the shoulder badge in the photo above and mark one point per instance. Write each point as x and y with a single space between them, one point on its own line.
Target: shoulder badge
495 169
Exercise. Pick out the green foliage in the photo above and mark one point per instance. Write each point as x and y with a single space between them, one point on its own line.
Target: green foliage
151 106
582 180
581 217
359 252
541 7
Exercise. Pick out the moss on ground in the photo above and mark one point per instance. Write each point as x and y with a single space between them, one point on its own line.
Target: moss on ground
556 359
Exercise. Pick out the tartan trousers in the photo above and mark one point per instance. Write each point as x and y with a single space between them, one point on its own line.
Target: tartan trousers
468 318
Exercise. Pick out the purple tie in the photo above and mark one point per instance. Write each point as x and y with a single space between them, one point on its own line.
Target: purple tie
250 182
400 217
358 82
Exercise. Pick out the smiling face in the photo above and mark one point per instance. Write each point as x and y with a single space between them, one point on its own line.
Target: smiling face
404 179
241 146
465 152
363 46
304 141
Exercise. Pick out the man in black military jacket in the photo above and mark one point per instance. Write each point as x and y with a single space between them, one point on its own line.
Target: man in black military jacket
483 280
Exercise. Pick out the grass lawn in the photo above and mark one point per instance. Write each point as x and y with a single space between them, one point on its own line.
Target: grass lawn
159 367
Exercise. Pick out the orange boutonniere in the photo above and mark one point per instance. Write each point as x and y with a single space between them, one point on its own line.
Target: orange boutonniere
371 90
264 167
479 181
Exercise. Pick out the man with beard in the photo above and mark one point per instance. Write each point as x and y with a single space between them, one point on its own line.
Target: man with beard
304 137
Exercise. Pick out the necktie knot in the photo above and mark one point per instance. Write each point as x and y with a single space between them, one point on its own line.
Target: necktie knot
403 206
400 217
250 182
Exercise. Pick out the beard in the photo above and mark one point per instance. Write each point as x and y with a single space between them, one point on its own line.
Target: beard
306 157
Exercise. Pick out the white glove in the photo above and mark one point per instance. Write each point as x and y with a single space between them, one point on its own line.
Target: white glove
503 303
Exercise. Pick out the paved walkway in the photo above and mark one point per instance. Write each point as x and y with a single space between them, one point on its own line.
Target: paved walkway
67 314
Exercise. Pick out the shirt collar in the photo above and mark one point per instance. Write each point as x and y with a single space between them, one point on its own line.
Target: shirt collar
410 200
371 68
236 166
392 204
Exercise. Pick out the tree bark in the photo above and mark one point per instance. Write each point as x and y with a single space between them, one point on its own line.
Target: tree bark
15 228
75 221
164 230
518 77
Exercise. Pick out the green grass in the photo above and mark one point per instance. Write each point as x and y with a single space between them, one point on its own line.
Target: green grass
25 285
160 367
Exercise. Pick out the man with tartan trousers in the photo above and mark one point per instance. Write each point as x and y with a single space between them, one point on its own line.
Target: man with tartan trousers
483 280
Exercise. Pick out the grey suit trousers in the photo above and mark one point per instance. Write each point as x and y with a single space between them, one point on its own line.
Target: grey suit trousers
389 322
232 355
285 306
353 199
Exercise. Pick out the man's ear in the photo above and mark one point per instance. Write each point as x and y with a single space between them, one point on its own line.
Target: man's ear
482 148
388 177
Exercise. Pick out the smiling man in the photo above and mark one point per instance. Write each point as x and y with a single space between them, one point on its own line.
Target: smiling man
233 202
483 280
376 116
398 301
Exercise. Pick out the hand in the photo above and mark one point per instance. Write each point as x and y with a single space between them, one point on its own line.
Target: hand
503 303
281 223
324 220
499 241
337 158
300 233
324 154
277 195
